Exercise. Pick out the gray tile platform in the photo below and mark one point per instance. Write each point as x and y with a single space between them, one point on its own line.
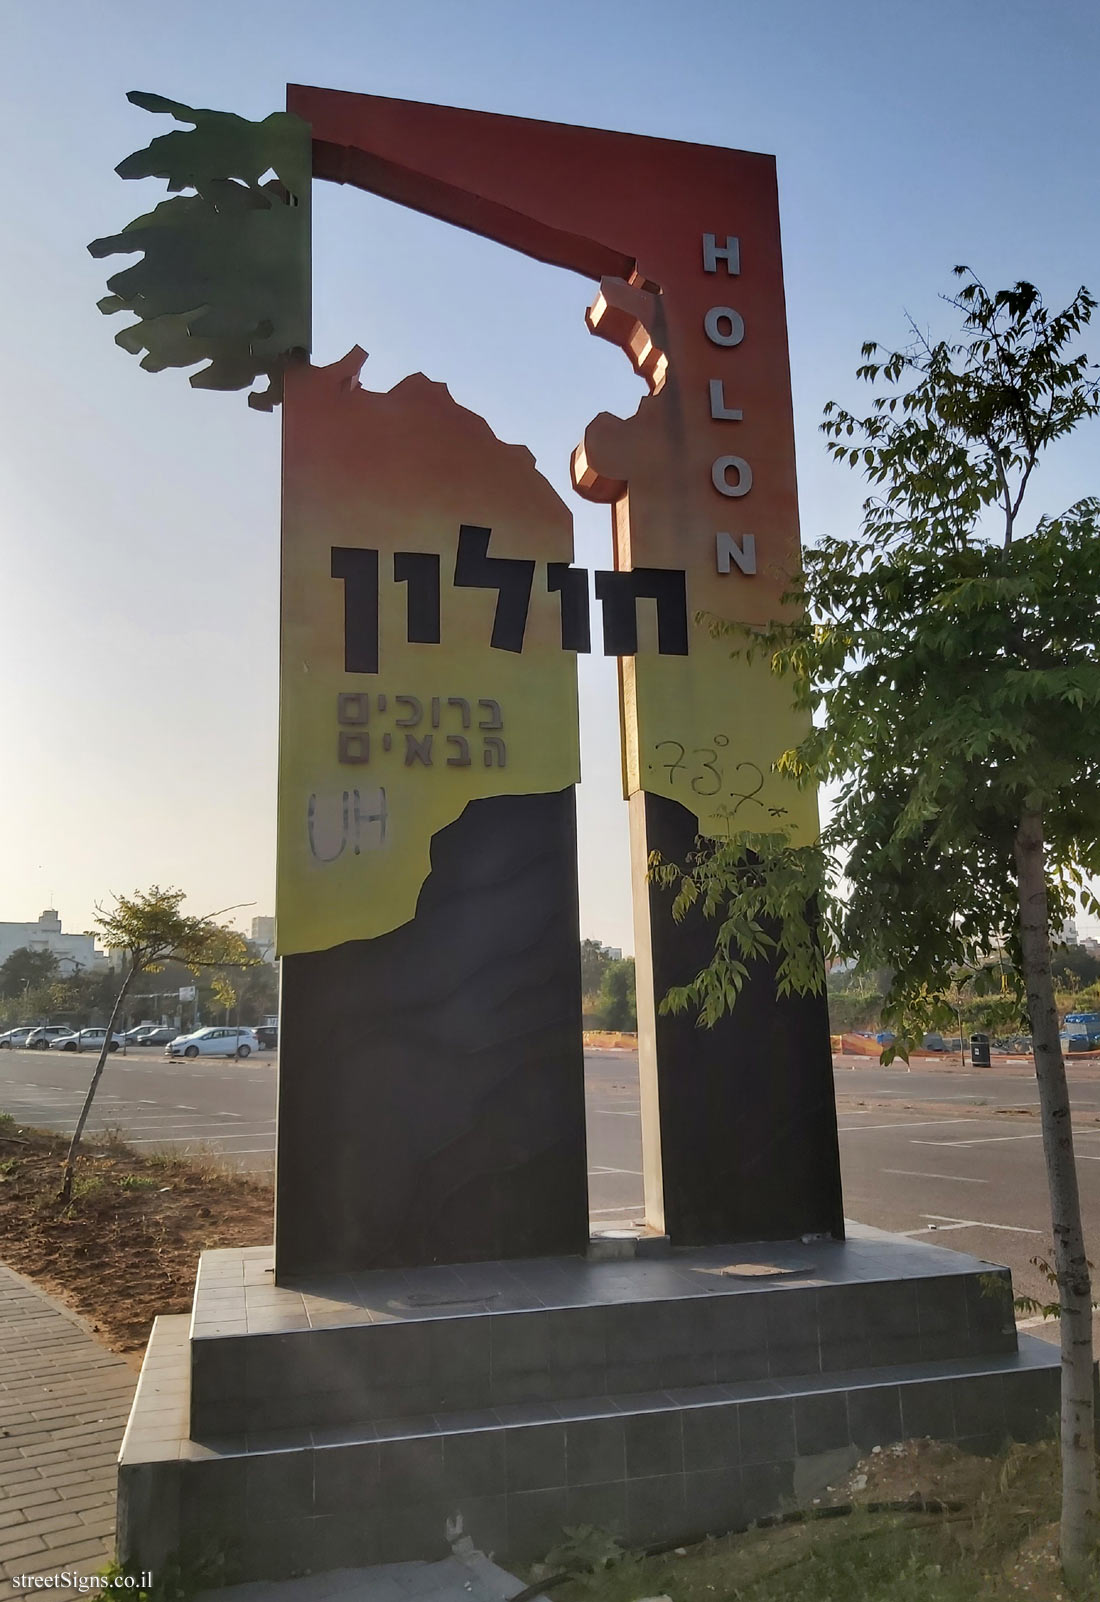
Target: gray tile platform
352 1349
355 1420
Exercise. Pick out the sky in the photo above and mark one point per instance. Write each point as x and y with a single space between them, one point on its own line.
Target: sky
139 518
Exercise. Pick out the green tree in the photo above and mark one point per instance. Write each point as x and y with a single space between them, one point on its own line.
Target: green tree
1074 963
258 995
951 654
79 998
594 964
150 928
618 1003
26 970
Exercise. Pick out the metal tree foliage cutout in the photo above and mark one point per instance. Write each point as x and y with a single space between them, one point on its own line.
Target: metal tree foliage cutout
224 277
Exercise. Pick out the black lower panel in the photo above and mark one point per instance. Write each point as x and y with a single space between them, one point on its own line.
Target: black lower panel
431 1081
748 1134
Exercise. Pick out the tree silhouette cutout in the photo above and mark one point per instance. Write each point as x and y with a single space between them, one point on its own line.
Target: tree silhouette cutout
224 276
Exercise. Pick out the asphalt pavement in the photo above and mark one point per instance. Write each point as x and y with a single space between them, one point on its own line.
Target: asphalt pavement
228 1110
942 1152
227 1107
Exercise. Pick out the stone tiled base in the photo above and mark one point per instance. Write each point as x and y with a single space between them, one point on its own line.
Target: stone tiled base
358 1348
657 1401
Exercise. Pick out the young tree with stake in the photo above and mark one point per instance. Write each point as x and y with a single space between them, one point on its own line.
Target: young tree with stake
951 654
151 930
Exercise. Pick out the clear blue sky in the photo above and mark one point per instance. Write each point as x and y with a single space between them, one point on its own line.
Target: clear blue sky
138 627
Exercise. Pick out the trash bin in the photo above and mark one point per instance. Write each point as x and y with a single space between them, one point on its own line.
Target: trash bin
979 1051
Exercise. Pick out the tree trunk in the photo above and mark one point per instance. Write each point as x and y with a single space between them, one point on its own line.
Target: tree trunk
1079 1484
66 1191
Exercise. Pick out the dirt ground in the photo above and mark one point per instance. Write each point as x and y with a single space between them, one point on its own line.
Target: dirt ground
128 1245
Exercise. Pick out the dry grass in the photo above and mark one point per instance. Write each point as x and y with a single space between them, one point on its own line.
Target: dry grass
1000 1545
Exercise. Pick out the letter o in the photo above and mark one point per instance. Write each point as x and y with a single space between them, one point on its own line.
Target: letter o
733 334
721 482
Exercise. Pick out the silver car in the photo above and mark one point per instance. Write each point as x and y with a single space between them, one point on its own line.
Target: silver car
85 1040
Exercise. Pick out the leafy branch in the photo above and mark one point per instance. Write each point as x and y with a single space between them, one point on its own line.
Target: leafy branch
770 897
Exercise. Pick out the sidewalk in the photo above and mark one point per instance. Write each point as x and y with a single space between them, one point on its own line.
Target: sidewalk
467 1576
64 1399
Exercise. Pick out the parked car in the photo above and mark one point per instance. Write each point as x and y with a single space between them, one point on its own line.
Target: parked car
1077 1040
39 1039
132 1036
15 1037
1086 1024
84 1040
157 1035
268 1036
214 1042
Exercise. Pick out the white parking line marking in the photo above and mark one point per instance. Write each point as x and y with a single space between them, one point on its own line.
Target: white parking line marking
239 1151
916 1173
978 1140
176 1139
636 1172
134 1134
923 1123
976 1223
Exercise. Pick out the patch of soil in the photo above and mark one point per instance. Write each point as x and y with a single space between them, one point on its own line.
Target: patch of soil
935 1469
1034 1571
127 1246
1013 1536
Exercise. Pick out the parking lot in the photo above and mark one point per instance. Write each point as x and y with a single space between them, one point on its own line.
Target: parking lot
944 1153
209 1104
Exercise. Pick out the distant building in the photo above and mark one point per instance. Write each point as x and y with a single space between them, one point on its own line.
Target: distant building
263 937
75 953
1067 934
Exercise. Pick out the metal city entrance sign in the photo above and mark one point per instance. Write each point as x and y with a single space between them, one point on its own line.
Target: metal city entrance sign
431 615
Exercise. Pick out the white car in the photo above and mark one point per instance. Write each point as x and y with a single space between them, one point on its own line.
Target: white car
214 1042
11 1038
41 1038
85 1040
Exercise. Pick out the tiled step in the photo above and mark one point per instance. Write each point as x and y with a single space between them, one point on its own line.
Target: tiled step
670 1464
378 1346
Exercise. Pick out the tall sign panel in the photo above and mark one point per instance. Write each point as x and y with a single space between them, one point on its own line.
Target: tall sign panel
682 245
430 1090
